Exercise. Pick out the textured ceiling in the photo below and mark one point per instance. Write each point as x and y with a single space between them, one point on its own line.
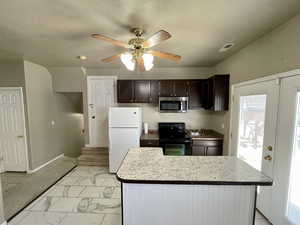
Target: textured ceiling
54 32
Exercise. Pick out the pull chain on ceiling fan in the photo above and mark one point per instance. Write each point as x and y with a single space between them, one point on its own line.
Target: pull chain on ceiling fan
139 49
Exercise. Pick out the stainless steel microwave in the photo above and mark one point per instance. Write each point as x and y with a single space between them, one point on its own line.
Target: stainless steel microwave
173 104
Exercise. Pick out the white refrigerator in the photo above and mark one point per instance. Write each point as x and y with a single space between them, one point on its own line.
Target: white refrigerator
125 128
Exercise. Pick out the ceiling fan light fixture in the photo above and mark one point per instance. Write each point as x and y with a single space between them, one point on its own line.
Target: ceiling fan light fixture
148 61
127 60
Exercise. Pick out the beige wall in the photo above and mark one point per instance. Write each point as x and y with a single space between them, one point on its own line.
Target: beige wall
68 79
278 51
2 219
194 119
55 120
70 123
42 112
12 73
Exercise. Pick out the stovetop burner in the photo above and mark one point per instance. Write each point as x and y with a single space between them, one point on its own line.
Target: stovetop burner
173 131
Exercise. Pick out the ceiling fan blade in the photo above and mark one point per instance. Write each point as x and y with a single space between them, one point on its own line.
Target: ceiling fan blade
157 38
110 40
165 55
109 59
141 65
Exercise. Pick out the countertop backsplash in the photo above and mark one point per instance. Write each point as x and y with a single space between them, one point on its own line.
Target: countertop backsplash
194 119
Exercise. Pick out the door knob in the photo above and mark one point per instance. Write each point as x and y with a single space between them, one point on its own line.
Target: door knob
270 148
268 157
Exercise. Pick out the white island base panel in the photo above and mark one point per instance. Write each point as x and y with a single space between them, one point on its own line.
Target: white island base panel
172 204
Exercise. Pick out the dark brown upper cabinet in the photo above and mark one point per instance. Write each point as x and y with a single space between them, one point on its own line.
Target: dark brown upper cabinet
142 91
181 88
154 91
215 93
195 97
211 94
166 88
173 88
125 91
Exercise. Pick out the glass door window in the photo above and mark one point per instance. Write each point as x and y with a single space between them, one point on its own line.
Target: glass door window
251 129
293 209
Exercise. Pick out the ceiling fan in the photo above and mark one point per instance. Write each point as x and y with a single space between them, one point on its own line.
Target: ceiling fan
138 49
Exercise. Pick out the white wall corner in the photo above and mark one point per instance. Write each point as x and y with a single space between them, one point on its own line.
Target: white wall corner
83 69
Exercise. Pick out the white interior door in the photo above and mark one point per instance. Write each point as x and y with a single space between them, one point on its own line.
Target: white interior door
101 96
287 165
13 147
254 118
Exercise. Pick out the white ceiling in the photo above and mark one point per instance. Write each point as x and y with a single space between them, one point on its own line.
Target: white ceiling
54 32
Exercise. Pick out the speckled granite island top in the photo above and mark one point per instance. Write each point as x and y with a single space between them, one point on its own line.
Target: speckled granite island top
149 165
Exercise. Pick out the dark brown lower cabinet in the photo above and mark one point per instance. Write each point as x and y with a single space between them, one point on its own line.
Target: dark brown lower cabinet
149 143
198 150
214 150
207 148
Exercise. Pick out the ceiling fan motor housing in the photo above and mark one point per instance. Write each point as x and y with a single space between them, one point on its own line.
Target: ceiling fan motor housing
138 31
136 43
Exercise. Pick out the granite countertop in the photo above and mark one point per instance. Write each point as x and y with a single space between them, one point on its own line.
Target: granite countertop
152 135
208 135
205 135
149 165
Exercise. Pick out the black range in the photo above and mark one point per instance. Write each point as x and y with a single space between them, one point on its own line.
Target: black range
174 139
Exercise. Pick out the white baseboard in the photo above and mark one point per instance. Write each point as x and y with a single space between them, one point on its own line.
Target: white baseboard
45 164
94 146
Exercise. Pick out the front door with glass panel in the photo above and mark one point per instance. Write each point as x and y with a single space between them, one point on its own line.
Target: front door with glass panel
254 118
287 167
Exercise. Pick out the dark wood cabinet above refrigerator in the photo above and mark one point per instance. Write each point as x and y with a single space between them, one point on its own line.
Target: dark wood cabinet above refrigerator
125 91
173 88
142 91
211 94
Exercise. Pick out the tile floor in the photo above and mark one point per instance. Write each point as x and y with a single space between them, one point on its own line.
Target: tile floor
86 196
16 193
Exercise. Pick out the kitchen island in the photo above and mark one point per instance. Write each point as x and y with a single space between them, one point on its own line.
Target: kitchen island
187 190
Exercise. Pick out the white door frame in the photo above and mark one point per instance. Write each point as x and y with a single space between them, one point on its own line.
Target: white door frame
89 80
277 77
20 89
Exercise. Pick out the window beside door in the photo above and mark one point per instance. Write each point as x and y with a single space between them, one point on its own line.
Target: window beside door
251 129
293 208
